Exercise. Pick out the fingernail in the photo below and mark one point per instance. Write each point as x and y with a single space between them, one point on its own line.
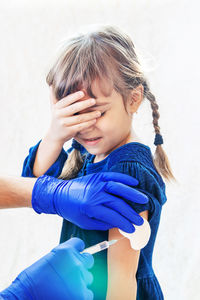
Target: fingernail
81 94
139 221
144 199
93 101
98 114
131 229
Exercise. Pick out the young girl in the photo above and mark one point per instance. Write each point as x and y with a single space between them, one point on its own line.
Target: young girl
103 64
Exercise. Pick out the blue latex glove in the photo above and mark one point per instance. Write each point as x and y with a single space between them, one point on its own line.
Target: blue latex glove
60 275
92 202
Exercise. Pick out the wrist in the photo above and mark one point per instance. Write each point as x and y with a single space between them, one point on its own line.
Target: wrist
47 154
16 291
44 195
54 142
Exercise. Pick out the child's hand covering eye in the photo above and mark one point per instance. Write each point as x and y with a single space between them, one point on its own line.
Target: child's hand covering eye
65 124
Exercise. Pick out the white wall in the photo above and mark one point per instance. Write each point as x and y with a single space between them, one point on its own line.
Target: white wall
166 33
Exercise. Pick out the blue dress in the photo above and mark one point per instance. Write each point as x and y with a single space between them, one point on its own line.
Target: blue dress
134 159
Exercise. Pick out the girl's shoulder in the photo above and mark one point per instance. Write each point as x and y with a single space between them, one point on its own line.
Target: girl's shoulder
134 159
132 152
127 153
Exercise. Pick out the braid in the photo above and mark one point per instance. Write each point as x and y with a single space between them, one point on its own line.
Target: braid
154 106
72 165
160 158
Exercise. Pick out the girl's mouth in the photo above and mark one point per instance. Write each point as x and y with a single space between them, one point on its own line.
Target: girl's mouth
93 141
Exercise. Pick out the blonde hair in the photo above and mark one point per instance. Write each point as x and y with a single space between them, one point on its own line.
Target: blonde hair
106 54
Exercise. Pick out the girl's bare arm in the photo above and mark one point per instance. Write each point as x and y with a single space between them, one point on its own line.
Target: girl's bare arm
122 267
47 153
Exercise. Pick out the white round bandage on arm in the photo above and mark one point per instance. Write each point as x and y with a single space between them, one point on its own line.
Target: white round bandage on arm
140 237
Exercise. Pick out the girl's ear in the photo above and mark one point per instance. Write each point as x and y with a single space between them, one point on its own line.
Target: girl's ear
135 98
53 99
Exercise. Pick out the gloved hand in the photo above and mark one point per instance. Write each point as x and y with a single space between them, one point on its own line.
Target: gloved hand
92 202
61 274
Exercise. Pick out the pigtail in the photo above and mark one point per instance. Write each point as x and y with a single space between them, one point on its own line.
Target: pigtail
72 165
160 158
162 164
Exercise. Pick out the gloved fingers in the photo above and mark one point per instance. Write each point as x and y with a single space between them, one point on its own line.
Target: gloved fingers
74 243
87 294
80 290
90 295
124 209
87 276
126 192
113 218
119 177
87 260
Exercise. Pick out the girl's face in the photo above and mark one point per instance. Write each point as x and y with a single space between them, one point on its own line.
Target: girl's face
111 130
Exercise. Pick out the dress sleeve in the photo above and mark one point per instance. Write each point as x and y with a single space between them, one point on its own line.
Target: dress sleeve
54 170
147 184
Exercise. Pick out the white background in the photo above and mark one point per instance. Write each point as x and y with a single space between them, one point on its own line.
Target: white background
166 35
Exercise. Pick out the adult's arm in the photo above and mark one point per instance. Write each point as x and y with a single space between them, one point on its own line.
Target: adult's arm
92 202
16 191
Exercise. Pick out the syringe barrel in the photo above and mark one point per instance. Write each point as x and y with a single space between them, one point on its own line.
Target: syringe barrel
97 248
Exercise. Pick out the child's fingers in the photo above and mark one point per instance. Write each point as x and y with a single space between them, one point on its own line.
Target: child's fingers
75 120
82 126
68 100
77 107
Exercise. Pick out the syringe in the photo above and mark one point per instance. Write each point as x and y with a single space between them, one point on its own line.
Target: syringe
99 247
138 239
